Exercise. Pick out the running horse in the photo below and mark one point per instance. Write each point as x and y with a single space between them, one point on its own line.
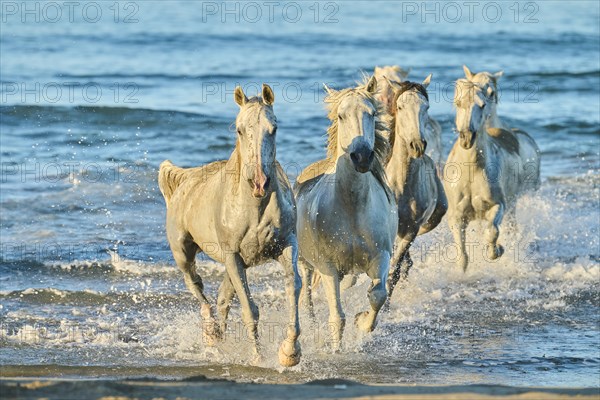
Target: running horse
347 217
240 212
489 166
411 173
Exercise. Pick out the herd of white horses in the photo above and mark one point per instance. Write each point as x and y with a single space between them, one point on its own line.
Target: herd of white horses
358 209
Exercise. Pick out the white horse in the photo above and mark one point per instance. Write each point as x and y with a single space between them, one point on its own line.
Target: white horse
432 131
488 167
347 218
411 173
240 212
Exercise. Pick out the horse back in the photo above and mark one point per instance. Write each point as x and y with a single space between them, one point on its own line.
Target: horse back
311 175
171 177
530 156
505 139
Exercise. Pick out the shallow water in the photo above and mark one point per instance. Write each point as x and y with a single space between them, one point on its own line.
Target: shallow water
79 179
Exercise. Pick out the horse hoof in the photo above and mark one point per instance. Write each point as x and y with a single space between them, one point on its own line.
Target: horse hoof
336 347
362 322
496 251
211 334
257 360
289 353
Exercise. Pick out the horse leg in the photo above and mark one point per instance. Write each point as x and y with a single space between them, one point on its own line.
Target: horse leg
367 320
407 264
226 293
494 218
510 218
441 206
337 319
185 258
402 246
236 269
289 351
458 226
348 281
306 272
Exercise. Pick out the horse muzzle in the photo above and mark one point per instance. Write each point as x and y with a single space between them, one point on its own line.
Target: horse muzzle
466 139
260 185
362 159
418 147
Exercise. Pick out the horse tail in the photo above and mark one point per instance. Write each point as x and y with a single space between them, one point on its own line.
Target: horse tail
170 177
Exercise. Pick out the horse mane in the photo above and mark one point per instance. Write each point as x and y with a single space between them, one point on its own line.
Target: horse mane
485 78
382 146
392 72
401 87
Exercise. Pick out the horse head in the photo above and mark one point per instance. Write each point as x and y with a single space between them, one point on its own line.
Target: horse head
410 112
256 126
353 114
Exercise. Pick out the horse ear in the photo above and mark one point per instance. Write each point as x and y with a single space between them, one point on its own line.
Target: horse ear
267 95
239 96
498 75
328 89
468 72
427 81
372 85
393 84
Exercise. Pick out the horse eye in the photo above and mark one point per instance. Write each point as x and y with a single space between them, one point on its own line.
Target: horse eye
239 131
340 117
274 131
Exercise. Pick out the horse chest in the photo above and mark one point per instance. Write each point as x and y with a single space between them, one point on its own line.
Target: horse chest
261 235
349 240
261 241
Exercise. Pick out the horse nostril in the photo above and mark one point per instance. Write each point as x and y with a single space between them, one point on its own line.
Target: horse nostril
355 157
412 145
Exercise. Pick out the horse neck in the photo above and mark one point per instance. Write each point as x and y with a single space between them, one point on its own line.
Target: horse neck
400 161
493 120
351 185
482 140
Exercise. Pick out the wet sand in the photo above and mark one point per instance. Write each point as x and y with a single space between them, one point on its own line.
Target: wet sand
200 387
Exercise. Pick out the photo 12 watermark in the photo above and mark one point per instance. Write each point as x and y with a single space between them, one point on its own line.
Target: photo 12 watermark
68 92
291 92
72 172
53 12
493 12
318 12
